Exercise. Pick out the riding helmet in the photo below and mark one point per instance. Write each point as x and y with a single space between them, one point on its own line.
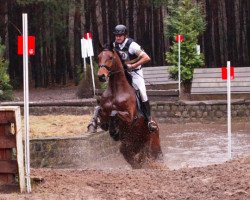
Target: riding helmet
120 30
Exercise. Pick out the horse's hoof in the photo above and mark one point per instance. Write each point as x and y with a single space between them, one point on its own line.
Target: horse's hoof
160 157
91 128
136 166
104 126
115 135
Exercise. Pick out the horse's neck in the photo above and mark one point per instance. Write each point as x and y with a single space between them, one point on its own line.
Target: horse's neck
118 80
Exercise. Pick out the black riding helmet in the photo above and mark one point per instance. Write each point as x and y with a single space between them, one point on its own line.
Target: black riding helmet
120 30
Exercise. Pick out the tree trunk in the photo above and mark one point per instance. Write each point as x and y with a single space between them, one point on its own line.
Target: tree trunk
104 22
95 26
131 18
77 39
3 24
58 50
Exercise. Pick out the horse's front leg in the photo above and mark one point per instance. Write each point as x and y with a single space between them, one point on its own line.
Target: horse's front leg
92 126
125 116
129 152
114 119
113 126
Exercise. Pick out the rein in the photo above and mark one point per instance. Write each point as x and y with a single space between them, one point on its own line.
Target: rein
115 72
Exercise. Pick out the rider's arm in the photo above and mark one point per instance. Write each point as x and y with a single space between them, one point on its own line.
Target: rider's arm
143 58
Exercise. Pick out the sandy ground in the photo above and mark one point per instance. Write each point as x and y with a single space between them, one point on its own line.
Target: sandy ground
227 181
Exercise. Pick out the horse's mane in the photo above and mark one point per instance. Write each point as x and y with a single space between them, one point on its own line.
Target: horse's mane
108 47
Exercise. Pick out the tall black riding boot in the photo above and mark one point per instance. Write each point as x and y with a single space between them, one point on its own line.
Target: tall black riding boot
152 126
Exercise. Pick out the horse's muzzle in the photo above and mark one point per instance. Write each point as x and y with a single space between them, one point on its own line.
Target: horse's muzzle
102 78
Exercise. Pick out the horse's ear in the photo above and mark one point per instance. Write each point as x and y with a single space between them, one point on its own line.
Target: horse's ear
111 46
108 46
100 46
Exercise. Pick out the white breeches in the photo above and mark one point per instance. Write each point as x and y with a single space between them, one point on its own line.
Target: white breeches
139 83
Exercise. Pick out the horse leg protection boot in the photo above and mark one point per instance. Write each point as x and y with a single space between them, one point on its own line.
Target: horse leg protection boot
152 126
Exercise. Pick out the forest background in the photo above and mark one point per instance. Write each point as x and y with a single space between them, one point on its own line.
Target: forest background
58 26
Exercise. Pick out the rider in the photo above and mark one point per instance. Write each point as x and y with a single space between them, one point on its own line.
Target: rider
134 56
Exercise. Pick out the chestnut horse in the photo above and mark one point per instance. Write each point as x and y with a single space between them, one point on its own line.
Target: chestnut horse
117 112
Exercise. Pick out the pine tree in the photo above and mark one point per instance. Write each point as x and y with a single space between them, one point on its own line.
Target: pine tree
185 18
5 87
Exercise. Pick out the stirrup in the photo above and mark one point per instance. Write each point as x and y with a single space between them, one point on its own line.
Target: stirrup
152 126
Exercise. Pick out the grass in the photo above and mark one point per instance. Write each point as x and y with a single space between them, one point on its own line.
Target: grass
58 125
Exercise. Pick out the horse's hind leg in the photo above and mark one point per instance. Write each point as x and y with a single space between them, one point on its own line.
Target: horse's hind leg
92 126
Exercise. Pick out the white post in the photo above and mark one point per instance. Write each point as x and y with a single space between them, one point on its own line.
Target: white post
198 49
84 55
26 99
84 69
179 63
92 73
229 110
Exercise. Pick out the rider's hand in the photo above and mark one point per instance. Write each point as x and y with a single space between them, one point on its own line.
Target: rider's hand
130 66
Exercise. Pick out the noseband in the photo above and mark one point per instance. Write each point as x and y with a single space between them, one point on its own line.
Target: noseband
105 66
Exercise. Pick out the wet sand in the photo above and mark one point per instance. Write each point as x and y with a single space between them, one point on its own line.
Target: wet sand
197 144
193 145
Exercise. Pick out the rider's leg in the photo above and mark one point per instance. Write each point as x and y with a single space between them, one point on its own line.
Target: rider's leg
151 124
138 82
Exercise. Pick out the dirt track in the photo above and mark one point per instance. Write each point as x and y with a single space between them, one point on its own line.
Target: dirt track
225 181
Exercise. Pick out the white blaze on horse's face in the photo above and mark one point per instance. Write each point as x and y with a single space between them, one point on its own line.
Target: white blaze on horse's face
105 63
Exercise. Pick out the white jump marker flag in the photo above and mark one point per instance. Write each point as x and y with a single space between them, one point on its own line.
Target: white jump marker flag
87 51
88 37
84 55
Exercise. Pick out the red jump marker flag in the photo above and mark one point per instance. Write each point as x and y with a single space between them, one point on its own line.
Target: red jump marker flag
88 36
177 38
224 73
31 45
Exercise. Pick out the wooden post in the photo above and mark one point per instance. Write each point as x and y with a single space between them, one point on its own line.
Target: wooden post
10 139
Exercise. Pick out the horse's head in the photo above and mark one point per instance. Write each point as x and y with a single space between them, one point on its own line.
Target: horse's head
105 63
